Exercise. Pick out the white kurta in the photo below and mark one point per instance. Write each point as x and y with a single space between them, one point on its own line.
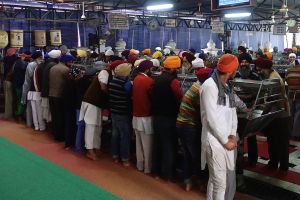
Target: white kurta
218 122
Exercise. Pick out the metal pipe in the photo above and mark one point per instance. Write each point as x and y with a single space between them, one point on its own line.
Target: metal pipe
78 36
45 20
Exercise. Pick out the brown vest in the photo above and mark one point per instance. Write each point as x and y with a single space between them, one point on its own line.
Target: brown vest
95 96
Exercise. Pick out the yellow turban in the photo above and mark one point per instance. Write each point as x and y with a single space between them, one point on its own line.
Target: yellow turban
81 53
157 54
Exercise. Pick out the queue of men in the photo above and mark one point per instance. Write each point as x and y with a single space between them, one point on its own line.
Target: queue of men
74 102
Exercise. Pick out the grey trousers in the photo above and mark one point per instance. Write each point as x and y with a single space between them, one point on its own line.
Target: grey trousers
92 136
144 143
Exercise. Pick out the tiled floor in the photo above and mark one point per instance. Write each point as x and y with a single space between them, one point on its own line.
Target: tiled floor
294 160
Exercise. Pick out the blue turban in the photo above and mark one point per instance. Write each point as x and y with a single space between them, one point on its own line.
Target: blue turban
66 58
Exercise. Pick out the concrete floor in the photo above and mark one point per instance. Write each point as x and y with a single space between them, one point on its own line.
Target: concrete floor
126 183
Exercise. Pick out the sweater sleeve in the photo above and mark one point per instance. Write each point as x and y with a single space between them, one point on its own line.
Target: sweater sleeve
27 82
128 87
175 86
234 122
209 96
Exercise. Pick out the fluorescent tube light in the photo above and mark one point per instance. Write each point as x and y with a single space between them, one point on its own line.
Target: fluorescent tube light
160 7
193 18
237 15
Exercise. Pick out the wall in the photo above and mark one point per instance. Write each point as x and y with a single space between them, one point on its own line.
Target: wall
68 30
139 37
254 39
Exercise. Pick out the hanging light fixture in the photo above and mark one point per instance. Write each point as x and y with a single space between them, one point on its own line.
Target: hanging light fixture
273 13
286 15
83 17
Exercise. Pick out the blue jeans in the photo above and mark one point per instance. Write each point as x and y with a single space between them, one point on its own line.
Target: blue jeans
190 138
120 140
79 143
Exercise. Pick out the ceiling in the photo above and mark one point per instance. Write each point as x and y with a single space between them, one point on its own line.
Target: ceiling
261 13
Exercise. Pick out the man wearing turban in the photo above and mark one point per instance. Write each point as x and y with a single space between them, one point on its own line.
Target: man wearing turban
165 100
189 126
142 119
57 81
53 59
219 129
119 90
30 86
278 130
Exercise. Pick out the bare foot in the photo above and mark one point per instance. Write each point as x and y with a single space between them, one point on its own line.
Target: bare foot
98 152
91 154
126 163
188 187
67 148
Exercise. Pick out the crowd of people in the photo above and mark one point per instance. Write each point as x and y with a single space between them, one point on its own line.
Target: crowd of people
141 95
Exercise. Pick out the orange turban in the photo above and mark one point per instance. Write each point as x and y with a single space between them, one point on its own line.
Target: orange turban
228 63
146 52
268 55
294 49
134 52
172 62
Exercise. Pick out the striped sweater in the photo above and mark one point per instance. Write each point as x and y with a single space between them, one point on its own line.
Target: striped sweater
189 111
119 98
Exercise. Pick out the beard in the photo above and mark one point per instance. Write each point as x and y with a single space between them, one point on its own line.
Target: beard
244 71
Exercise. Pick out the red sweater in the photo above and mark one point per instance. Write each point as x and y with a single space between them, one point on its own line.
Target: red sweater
142 86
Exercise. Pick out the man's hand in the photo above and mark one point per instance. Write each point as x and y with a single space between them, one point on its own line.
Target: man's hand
246 110
230 145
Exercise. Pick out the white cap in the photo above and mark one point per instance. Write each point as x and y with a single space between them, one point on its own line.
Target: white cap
109 53
167 51
292 55
169 47
156 62
198 63
54 53
157 49
182 52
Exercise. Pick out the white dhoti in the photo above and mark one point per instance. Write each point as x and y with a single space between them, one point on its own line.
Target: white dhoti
46 114
144 141
92 116
222 181
36 102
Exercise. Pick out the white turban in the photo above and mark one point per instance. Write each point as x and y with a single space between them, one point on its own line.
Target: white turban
156 62
54 53
198 63
109 53
167 51
292 55
157 49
